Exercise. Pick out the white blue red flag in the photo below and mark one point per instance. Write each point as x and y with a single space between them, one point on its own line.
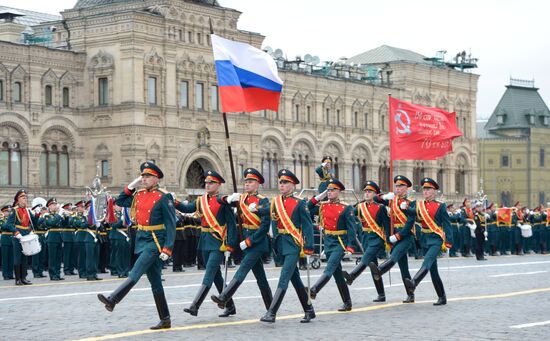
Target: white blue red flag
91 213
247 77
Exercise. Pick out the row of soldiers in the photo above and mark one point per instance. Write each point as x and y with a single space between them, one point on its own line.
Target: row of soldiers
382 221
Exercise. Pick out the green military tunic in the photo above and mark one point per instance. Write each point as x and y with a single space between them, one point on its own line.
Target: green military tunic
55 224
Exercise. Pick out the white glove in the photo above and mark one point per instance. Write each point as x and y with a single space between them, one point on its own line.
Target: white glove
226 254
252 208
185 202
18 236
243 245
403 205
97 224
321 196
324 164
393 239
485 234
234 210
233 197
487 216
388 196
347 254
134 183
531 212
164 257
173 196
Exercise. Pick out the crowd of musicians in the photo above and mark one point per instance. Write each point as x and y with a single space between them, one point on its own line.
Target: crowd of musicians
153 227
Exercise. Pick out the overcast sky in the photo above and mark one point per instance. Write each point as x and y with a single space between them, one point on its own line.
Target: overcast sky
510 37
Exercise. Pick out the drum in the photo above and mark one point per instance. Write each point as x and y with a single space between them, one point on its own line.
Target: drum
30 244
526 231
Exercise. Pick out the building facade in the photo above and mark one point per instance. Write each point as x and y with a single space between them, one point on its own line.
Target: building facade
110 84
513 145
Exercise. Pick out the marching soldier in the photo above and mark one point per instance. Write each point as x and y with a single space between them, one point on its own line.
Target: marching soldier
292 239
6 241
55 224
517 238
376 227
403 235
69 248
480 219
39 261
325 173
337 223
80 223
219 235
456 222
436 226
152 209
492 230
177 254
20 222
254 210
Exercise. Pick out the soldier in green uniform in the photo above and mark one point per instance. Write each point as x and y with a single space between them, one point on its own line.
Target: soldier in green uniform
254 211
492 230
325 173
292 238
6 244
120 260
545 232
375 224
219 236
55 225
403 235
436 226
152 209
91 245
480 219
20 222
336 219
39 260
80 222
456 221
468 220
67 236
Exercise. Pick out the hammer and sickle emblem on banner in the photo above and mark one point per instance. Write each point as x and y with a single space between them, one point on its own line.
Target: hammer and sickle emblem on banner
403 127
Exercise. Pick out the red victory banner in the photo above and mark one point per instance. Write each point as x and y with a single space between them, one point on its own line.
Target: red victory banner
420 133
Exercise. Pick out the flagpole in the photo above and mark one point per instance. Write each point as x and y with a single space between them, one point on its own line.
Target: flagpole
391 159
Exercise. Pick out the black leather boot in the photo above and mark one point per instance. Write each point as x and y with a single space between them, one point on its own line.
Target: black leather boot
227 293
229 310
354 273
346 298
379 285
411 285
378 271
117 295
321 282
164 313
267 296
23 274
309 312
440 290
274 307
17 272
201 295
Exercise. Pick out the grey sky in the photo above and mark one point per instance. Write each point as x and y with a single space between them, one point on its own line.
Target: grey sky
509 37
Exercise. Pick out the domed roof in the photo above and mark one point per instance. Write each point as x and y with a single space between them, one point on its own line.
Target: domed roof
93 3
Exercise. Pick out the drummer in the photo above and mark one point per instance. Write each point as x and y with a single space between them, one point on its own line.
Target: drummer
20 223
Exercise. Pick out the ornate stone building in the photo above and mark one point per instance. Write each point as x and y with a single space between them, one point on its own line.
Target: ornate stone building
115 82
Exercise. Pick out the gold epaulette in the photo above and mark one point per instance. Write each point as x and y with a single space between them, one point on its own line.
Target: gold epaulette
162 190
261 196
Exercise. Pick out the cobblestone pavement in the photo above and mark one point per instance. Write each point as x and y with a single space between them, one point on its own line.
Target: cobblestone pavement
505 298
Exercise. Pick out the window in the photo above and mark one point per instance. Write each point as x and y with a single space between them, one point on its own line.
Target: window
17 95
490 161
541 157
544 120
66 97
180 35
327 117
189 37
103 92
366 120
542 198
440 176
460 181
10 164
383 123
215 98
152 90
531 119
54 166
308 114
199 102
1 90
337 117
48 95
504 161
297 113
105 168
356 119
263 113
199 38
384 177
500 119
184 94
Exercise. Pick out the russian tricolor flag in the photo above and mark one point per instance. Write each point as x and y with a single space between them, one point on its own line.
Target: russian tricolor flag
247 77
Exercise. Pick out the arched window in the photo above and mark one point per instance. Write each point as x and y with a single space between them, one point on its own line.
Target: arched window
10 164
54 166
270 167
17 92
48 95
384 177
418 174
66 101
